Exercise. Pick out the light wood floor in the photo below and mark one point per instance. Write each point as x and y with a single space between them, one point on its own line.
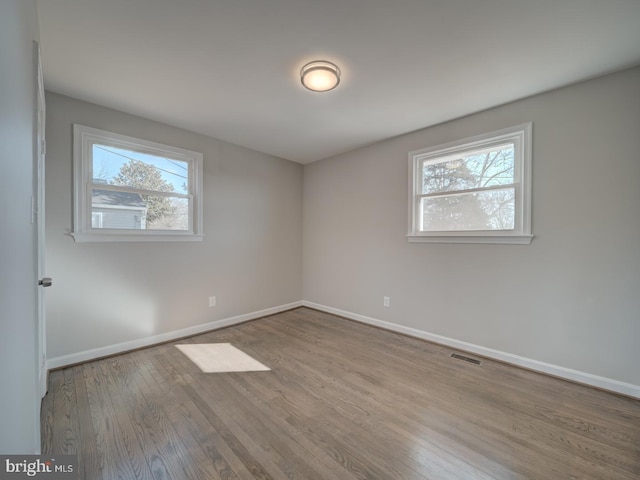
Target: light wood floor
343 401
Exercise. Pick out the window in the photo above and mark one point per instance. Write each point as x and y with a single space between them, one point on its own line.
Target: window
128 189
477 190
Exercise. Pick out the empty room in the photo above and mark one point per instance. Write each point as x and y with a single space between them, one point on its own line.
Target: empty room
342 240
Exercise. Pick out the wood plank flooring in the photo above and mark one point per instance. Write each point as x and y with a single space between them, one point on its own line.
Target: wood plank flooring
343 401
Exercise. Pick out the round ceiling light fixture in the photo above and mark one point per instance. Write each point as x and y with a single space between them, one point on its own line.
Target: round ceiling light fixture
320 76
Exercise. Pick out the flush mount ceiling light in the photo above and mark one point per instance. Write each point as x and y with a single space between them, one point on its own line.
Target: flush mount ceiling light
320 76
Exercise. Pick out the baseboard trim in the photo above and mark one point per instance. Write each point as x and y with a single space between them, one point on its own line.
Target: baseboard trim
88 355
604 383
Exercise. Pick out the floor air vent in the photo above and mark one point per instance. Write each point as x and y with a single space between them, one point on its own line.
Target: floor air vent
466 359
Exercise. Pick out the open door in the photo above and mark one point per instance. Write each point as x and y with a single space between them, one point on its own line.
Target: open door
39 213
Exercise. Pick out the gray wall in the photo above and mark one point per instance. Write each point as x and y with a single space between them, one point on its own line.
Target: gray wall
109 293
571 298
19 400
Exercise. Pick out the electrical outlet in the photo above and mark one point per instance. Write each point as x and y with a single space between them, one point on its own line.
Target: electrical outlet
386 301
212 301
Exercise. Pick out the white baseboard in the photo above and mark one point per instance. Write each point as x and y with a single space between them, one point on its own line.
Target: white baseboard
535 365
87 355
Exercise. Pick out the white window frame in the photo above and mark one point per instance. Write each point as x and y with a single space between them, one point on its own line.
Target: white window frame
520 137
83 139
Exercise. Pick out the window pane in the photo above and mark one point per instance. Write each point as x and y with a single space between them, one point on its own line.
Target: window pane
479 169
172 214
133 211
117 166
490 210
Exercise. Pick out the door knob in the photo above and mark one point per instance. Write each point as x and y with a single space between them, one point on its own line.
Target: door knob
45 282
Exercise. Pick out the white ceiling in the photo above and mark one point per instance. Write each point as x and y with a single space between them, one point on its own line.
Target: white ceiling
230 68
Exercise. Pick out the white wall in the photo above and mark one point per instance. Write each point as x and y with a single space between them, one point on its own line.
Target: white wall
570 299
19 399
109 294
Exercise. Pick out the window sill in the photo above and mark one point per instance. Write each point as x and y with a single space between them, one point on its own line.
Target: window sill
490 239
134 237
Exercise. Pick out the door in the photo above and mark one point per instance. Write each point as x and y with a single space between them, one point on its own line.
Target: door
39 214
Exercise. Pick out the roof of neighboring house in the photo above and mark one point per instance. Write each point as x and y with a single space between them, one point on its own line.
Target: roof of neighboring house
111 197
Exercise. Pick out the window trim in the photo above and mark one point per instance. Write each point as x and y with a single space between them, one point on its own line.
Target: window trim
83 140
520 136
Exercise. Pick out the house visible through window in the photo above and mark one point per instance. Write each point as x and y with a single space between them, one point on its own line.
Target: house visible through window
96 219
131 189
119 210
475 190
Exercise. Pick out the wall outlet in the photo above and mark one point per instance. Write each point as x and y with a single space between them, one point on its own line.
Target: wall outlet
386 301
212 301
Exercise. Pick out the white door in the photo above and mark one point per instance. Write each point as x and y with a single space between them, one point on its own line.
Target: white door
39 213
